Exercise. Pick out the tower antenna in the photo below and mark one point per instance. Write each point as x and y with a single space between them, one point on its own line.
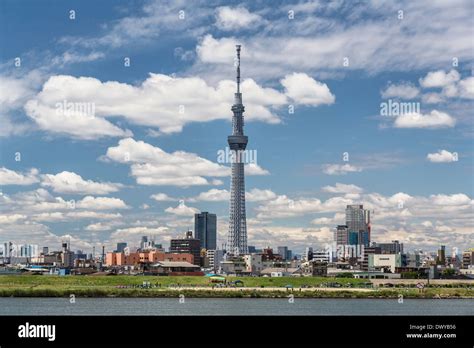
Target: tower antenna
238 67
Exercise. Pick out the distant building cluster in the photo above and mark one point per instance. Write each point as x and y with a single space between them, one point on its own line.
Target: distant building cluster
352 254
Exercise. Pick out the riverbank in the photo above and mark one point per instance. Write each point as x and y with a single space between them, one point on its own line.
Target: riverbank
200 287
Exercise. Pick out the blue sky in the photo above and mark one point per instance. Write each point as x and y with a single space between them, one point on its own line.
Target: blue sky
414 170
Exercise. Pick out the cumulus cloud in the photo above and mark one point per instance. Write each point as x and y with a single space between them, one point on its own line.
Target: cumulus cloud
150 165
162 197
213 195
101 203
164 102
305 90
435 119
451 200
41 200
403 91
129 232
233 18
439 79
451 85
11 218
182 210
343 188
59 216
340 169
11 177
72 183
216 195
442 156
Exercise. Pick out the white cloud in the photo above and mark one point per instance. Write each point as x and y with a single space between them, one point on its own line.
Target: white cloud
427 224
258 195
101 226
340 169
161 101
11 218
343 188
73 216
283 206
213 195
322 221
14 92
151 165
451 84
70 182
77 124
467 88
432 98
233 18
305 90
216 195
435 119
182 210
40 200
126 233
101 203
439 79
10 177
162 197
451 200
442 156
317 44
253 169
403 91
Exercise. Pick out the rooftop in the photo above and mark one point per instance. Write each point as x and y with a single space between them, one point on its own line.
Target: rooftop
175 264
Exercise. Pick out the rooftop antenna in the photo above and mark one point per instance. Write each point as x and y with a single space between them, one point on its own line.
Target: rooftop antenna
238 67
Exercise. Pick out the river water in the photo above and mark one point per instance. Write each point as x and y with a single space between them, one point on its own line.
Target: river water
233 306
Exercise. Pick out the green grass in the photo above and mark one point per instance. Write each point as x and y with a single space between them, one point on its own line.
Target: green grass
97 281
106 286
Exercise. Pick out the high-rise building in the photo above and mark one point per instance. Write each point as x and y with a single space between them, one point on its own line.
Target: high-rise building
308 254
67 256
342 235
283 252
187 245
395 247
121 247
237 238
205 229
358 224
144 242
29 250
5 249
441 258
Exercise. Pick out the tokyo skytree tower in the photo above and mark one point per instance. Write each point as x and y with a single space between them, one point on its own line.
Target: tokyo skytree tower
237 239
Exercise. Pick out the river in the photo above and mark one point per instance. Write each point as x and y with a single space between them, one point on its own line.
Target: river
233 306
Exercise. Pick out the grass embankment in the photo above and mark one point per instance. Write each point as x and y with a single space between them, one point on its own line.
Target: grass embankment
130 286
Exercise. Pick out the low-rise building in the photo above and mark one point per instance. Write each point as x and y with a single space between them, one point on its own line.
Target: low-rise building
214 258
279 272
234 265
385 261
146 257
173 268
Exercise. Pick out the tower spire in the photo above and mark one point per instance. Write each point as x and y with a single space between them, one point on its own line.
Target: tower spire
238 67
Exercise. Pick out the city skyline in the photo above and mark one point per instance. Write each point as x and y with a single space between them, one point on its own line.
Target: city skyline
112 130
